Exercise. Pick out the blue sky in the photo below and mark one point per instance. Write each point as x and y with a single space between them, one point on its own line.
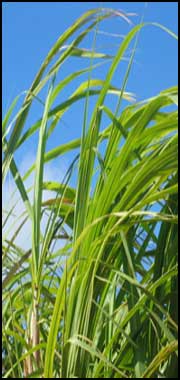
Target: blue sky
31 28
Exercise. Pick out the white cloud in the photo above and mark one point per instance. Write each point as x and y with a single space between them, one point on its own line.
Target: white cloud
52 172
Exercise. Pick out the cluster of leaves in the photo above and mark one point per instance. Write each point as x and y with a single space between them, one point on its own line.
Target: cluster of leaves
112 310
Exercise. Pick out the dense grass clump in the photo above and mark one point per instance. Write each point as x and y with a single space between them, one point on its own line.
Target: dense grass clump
95 294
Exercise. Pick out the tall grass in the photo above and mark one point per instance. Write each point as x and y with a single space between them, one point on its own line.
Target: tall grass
112 313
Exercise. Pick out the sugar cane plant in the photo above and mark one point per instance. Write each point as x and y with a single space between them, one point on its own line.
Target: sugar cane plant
112 310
